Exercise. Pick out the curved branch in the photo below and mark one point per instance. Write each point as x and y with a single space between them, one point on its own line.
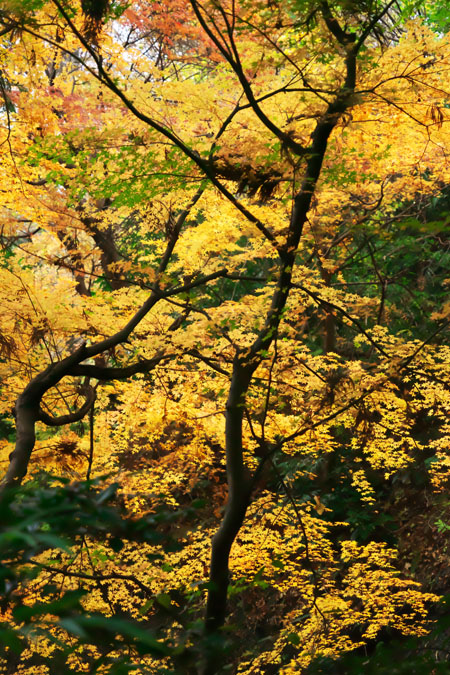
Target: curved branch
70 417
104 373
334 27
91 577
28 406
27 412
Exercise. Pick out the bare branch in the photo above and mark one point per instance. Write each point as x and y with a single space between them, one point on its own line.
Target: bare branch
50 421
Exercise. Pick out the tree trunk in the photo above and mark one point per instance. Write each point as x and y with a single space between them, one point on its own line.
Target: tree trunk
238 499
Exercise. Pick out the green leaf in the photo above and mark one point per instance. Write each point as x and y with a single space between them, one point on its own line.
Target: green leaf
293 638
69 602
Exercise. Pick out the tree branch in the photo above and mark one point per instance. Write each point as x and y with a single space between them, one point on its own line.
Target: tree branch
50 421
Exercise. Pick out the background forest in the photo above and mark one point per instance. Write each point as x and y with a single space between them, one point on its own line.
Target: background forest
224 323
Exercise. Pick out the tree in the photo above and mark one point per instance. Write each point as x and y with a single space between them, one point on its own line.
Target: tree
207 192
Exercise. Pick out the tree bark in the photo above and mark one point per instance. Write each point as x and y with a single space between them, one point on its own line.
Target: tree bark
238 497
27 412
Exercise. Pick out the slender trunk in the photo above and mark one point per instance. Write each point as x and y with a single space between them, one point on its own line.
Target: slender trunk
238 499
219 570
27 414
243 369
